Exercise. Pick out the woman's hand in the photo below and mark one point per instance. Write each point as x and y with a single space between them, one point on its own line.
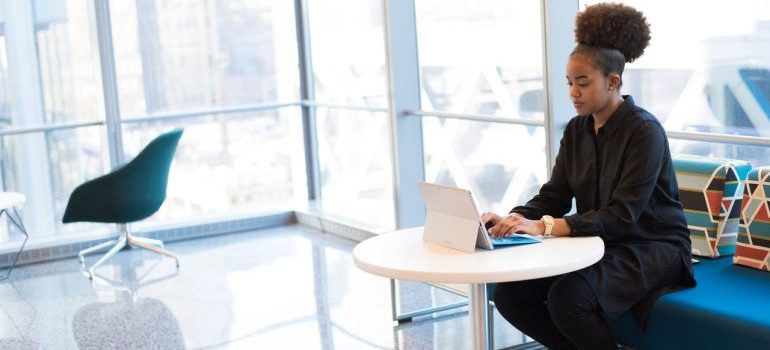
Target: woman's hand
490 219
512 223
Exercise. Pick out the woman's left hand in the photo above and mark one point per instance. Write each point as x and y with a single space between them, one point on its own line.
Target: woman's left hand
515 222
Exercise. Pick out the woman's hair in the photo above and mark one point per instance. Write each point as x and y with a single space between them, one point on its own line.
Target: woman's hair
610 35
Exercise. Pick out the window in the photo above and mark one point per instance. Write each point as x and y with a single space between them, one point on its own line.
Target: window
194 60
711 74
349 71
173 56
487 158
483 58
49 75
227 165
198 61
356 174
348 52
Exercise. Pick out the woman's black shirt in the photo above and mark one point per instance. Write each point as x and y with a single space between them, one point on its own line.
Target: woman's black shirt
625 190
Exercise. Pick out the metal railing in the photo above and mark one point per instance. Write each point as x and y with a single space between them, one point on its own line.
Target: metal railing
673 134
167 116
344 106
476 117
46 128
174 115
720 138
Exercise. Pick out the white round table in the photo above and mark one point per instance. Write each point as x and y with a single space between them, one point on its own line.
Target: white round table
403 255
9 204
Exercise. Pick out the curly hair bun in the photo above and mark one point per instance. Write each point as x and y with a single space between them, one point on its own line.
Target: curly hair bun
615 26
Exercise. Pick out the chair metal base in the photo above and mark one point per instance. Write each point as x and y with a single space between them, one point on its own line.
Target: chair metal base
125 238
15 217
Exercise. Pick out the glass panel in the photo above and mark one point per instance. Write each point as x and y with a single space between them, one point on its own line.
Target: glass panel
49 73
49 69
481 156
73 156
348 50
69 61
356 170
481 57
228 164
712 74
176 55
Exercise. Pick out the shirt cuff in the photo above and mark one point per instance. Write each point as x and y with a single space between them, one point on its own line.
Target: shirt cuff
575 227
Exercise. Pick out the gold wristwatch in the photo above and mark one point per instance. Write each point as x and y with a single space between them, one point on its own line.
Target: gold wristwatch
548 222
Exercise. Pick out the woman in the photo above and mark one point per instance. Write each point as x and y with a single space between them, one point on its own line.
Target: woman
614 160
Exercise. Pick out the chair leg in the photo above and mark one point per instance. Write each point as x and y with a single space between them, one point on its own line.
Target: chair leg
140 242
15 218
491 324
121 243
100 246
155 242
408 316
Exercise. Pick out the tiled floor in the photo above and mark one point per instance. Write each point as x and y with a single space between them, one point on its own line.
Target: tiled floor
282 288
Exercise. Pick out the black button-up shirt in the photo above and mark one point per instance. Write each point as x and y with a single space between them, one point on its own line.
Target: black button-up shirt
625 190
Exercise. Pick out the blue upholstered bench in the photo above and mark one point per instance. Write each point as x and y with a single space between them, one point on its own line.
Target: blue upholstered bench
730 306
729 309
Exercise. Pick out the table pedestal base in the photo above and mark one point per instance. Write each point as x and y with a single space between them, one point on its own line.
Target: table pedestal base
478 314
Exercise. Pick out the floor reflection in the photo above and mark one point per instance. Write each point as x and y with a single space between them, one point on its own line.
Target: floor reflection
18 344
133 324
131 279
130 321
15 332
283 288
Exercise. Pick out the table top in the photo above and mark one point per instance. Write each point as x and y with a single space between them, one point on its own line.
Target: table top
403 255
11 199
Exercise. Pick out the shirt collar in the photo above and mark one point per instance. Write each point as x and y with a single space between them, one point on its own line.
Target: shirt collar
616 119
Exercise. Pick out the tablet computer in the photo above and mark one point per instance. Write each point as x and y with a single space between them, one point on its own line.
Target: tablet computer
453 220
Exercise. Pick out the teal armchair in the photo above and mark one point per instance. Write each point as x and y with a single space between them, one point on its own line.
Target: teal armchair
130 193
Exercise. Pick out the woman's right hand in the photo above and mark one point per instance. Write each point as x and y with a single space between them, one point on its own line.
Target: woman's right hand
490 219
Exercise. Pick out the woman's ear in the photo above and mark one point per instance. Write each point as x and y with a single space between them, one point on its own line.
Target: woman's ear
614 80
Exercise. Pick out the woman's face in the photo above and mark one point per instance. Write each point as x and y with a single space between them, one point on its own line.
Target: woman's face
589 89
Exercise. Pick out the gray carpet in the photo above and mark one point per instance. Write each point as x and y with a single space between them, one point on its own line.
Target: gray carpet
143 324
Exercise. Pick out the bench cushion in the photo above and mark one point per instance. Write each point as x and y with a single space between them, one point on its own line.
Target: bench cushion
711 191
753 246
729 309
